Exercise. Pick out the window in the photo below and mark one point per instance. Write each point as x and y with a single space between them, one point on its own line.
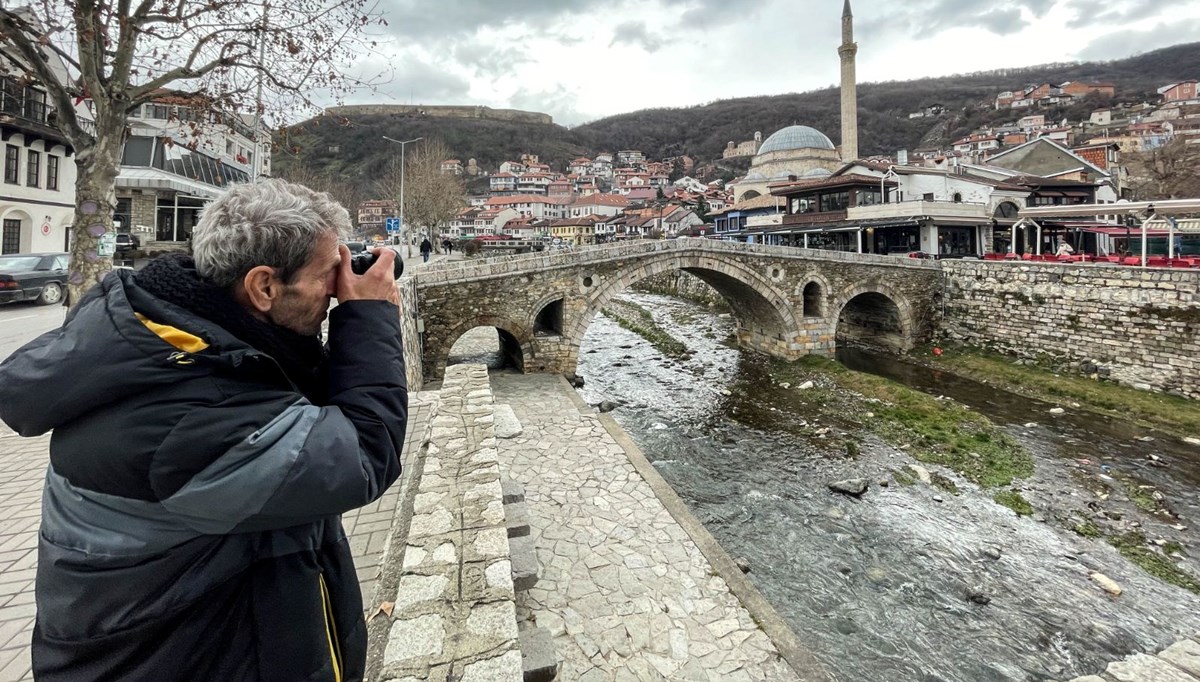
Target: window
12 237
61 262
52 172
867 197
12 156
835 201
34 167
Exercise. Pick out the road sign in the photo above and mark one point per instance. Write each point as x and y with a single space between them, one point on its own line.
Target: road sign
393 225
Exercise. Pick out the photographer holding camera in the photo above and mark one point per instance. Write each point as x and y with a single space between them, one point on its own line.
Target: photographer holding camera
206 442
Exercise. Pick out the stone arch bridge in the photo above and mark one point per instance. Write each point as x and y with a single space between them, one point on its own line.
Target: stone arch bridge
786 302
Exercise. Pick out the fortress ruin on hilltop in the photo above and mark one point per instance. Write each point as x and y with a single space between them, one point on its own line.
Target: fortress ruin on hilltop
442 111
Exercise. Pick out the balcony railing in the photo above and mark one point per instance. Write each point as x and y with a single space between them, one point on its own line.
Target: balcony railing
814 217
943 209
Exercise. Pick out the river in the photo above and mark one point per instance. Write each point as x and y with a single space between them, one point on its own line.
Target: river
907 583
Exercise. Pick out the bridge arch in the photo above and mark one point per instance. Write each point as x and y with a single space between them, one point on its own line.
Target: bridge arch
764 315
813 294
876 313
515 341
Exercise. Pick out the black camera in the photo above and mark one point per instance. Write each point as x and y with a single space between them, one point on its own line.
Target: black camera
361 262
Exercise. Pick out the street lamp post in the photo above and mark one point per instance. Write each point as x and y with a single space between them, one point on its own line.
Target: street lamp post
403 225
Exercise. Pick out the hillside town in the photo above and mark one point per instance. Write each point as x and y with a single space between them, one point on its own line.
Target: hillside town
800 189
805 405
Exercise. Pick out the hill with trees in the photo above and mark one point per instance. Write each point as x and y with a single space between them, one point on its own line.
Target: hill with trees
352 149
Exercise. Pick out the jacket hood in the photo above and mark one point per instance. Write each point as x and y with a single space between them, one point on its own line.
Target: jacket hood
119 341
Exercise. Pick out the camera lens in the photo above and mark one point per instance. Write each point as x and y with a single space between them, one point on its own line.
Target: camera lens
361 262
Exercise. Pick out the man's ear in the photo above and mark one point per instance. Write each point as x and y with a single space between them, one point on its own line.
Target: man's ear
260 289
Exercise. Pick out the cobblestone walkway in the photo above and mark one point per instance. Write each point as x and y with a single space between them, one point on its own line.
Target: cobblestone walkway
624 590
22 474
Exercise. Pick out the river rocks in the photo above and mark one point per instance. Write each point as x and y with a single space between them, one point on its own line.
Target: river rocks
576 380
806 386
726 392
1192 441
743 564
938 498
992 553
608 406
921 473
976 596
1057 411
785 385
1031 425
854 487
1107 584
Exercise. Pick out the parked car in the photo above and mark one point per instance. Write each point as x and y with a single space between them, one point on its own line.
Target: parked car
126 241
40 277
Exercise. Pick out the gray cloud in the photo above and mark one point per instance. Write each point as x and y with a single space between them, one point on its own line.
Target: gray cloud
636 33
715 13
1105 12
1125 43
419 82
451 18
488 61
558 101
930 16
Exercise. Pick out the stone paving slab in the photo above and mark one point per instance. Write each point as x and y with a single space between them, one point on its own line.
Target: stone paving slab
22 474
1179 662
625 592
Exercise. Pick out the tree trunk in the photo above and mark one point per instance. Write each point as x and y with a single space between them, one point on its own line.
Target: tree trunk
97 164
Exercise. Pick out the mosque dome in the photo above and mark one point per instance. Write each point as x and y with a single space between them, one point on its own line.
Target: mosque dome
795 137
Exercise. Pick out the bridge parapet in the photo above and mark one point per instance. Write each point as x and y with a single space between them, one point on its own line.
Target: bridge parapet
461 271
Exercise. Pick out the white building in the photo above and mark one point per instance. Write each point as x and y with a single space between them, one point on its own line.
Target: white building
170 171
37 191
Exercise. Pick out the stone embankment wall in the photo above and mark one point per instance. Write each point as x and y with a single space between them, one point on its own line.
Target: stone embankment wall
436 111
683 285
1138 326
454 610
409 315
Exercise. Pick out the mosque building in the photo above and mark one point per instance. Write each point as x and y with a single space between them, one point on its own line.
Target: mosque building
798 151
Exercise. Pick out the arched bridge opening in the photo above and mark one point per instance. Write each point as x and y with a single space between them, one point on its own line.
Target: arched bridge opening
763 315
496 347
873 319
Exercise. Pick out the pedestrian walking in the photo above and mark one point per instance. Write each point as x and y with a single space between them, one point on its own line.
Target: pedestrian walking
205 445
426 248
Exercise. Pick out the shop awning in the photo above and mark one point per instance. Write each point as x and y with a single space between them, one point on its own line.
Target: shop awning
152 178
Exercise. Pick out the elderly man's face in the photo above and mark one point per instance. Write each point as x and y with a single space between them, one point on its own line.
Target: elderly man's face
305 300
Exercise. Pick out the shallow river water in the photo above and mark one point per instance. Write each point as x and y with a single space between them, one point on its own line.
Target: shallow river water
880 588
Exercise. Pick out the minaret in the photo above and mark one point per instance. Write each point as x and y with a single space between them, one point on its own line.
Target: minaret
849 87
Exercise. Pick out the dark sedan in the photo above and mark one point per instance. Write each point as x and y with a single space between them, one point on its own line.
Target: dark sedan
40 277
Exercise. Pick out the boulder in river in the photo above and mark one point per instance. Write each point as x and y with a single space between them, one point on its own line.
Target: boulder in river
743 564
854 487
1192 441
976 596
1108 584
921 473
1057 410
608 406
806 385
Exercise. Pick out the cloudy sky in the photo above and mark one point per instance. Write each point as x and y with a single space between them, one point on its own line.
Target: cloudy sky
580 60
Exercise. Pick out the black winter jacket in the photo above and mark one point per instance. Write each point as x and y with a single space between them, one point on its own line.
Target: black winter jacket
190 520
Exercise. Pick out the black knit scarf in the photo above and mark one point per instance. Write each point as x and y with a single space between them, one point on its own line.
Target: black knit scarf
173 278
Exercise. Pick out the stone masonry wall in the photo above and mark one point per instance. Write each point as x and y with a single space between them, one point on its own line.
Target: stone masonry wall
443 111
409 315
1139 326
684 285
455 604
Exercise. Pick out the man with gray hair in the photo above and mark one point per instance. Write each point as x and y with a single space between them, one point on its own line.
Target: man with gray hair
205 443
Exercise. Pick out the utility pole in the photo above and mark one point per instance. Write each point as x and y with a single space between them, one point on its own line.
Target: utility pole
403 225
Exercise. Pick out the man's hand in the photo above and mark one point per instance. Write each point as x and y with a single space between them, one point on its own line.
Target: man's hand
376 285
